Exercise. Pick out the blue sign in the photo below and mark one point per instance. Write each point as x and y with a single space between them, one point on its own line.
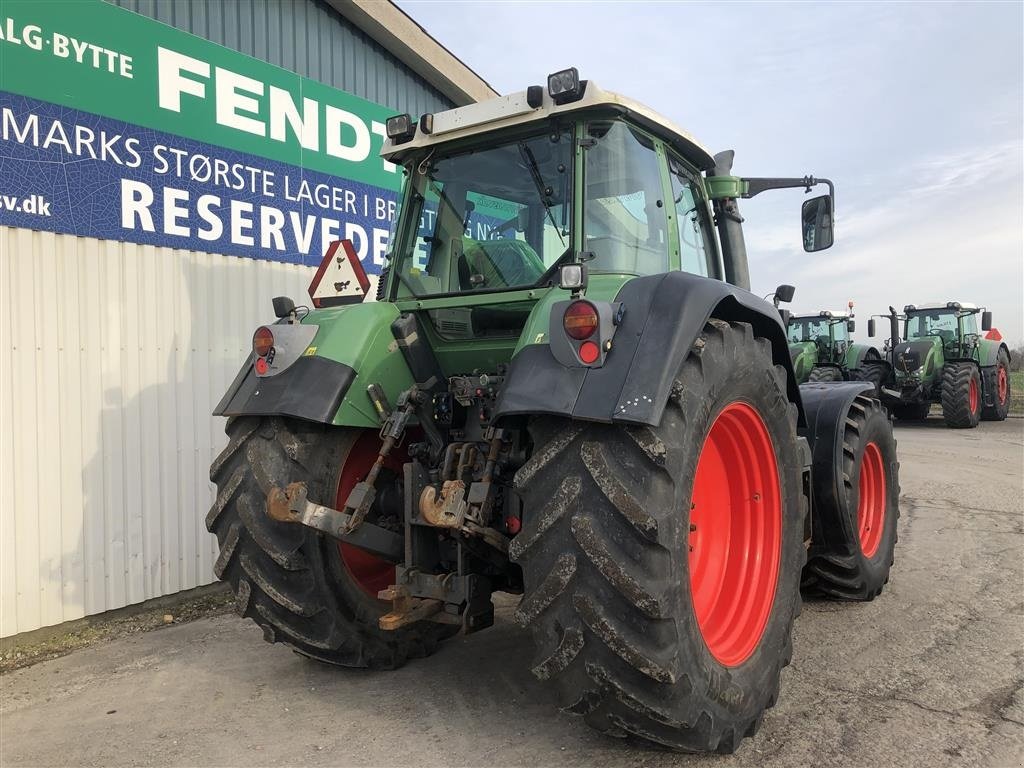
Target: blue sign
63 170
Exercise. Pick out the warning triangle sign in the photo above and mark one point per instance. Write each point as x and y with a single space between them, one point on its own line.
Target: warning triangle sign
341 278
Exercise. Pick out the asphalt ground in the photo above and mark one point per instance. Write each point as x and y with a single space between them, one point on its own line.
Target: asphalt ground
928 674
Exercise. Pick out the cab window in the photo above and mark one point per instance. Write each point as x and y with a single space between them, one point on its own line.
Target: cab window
624 224
691 220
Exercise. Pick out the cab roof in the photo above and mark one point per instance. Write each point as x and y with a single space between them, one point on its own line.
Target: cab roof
833 314
515 110
941 305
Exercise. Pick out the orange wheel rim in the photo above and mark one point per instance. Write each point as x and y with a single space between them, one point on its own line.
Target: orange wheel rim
735 534
871 500
370 572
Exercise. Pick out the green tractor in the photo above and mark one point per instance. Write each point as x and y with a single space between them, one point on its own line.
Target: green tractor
942 358
564 391
821 350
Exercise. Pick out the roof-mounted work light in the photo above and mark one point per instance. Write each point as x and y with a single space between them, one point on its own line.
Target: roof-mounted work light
400 127
565 86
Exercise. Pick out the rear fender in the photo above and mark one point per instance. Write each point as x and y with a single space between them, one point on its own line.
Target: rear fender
826 406
858 353
664 315
803 356
353 348
988 351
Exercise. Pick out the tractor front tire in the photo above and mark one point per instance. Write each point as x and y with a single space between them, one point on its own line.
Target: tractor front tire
961 395
874 374
999 381
820 373
632 581
292 580
912 411
854 546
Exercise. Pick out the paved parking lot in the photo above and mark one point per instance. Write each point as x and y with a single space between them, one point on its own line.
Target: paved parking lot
929 674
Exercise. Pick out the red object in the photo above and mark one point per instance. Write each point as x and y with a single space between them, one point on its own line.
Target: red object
972 395
261 365
262 341
348 252
372 573
513 525
735 534
580 320
994 335
871 500
1002 385
589 352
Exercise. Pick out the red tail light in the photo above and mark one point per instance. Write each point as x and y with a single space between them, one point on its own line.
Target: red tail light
580 320
262 341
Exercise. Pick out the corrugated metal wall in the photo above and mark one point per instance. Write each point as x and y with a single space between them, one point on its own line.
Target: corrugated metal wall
304 36
119 352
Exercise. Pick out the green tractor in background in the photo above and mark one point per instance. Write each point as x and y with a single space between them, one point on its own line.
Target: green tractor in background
552 396
821 350
942 358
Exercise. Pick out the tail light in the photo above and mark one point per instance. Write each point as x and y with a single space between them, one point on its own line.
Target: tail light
262 341
580 320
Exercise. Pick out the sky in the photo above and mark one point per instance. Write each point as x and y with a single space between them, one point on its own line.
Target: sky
914 110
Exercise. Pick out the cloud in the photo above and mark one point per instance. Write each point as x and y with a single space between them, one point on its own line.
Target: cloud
913 110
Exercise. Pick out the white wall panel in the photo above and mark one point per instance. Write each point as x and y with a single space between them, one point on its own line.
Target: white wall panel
114 356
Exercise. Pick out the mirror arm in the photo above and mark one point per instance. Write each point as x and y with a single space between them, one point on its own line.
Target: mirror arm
757 186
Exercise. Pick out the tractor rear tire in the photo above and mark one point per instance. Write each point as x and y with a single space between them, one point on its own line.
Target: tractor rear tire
820 373
912 411
626 554
961 395
292 580
854 546
874 374
1000 383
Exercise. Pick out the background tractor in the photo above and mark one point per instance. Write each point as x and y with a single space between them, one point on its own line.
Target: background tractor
821 349
564 391
943 359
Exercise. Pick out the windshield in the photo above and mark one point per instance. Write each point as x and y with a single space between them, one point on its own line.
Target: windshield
812 328
487 219
938 322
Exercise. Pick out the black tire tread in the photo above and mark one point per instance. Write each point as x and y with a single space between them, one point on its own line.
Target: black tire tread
595 544
824 373
842 575
956 404
278 571
998 411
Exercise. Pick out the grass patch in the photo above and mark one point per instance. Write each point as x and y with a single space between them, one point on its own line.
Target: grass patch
1017 393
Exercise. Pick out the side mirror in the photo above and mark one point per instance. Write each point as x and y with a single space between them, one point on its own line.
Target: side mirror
871 327
851 326
986 321
816 218
785 293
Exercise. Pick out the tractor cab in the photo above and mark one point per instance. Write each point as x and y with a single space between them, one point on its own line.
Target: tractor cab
953 325
829 331
821 349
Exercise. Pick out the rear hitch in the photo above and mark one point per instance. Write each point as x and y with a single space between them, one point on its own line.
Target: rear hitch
406 609
291 505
